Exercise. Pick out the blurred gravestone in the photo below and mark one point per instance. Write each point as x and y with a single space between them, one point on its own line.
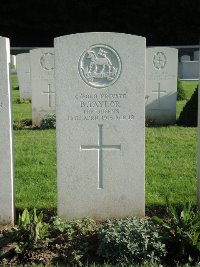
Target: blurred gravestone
13 63
6 147
24 75
185 58
198 162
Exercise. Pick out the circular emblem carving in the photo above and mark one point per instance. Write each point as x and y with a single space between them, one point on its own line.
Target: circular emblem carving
47 61
159 60
99 66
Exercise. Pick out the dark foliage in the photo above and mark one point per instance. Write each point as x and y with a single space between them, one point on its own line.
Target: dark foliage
181 234
171 241
188 116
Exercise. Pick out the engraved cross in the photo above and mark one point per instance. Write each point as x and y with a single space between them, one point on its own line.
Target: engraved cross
160 60
28 72
159 93
49 92
100 147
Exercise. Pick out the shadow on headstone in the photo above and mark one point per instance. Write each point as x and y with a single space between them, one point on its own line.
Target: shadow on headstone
159 112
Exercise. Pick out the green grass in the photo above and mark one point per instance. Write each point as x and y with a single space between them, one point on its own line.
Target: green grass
170 162
170 166
35 168
14 81
189 87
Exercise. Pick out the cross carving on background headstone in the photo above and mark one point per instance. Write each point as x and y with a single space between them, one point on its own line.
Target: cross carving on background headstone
28 72
159 94
100 147
49 92
160 60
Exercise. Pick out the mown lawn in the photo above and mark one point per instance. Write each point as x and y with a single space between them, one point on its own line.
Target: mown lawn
170 161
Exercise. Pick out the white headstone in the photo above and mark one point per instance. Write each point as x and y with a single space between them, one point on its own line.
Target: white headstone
161 85
13 61
190 70
100 82
185 58
24 75
196 55
42 83
198 161
6 148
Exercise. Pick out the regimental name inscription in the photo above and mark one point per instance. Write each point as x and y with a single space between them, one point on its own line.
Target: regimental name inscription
103 106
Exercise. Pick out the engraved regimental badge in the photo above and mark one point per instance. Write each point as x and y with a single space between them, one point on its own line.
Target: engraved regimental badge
47 61
159 60
99 66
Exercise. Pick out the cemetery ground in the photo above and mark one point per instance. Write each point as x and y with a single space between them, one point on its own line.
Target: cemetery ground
170 160
170 173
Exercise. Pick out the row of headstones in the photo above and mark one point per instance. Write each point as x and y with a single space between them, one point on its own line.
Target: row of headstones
187 69
36 81
35 71
188 58
100 109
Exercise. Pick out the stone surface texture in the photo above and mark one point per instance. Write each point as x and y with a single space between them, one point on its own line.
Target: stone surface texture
13 61
6 141
100 83
189 70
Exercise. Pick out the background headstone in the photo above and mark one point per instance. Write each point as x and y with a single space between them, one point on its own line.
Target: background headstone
198 161
100 82
13 63
161 85
185 58
6 148
42 83
189 70
24 75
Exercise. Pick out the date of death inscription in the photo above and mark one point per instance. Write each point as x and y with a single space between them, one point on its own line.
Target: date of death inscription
101 107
